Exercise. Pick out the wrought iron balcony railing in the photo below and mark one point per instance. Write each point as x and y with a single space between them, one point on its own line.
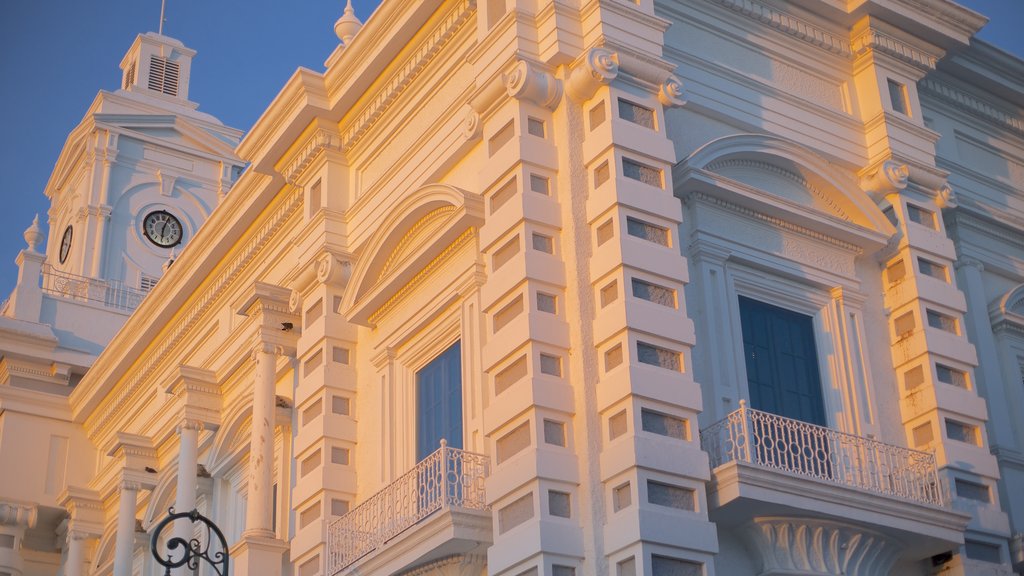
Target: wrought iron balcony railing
449 478
775 442
110 294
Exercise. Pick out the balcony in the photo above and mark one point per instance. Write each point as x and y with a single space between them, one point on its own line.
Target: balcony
435 510
112 295
768 469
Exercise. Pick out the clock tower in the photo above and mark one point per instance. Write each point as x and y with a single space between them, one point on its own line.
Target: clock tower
139 174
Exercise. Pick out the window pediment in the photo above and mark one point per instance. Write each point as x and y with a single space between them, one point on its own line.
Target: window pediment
421 231
780 179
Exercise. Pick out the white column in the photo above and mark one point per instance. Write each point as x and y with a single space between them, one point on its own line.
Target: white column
188 463
259 503
76 553
124 544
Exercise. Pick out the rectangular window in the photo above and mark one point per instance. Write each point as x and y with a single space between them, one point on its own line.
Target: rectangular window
622 497
617 425
904 324
339 507
540 184
310 567
609 293
626 567
973 491
542 243
507 251
515 513
613 357
658 356
654 293
535 127
663 424
933 269
641 172
510 375
665 566
896 271
601 174
952 376
554 432
636 114
340 405
508 313
919 215
983 552
312 363
310 463
339 455
550 365
597 115
670 496
513 443
500 138
923 435
942 321
315 311
961 432
913 378
647 231
558 570
439 402
339 355
312 411
547 303
308 515
605 232
898 97
559 504
499 198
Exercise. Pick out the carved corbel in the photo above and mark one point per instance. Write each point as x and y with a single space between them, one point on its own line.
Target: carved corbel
597 68
22 515
527 82
332 270
889 178
945 197
670 93
166 182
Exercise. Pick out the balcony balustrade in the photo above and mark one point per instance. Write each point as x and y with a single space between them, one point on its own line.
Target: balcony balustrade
113 295
774 442
448 479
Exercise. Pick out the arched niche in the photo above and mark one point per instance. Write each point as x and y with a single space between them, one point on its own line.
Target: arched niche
418 231
782 179
1008 310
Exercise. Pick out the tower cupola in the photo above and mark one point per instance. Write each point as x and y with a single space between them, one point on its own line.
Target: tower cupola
157 66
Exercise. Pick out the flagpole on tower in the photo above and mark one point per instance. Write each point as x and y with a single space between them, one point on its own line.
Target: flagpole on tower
163 4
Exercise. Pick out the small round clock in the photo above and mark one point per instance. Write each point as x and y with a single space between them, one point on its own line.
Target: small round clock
65 244
162 228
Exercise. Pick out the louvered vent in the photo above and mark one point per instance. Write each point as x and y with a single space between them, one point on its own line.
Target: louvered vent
163 75
129 76
147 282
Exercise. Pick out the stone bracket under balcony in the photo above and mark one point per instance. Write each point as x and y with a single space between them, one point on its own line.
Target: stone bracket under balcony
740 492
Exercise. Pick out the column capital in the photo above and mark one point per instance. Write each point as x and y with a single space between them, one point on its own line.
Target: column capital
967 261
18 514
128 485
191 424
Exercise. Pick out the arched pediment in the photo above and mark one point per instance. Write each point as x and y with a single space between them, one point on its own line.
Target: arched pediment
417 231
1008 310
783 179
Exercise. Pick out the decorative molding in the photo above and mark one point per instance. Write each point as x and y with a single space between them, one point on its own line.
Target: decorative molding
527 81
671 91
598 67
788 174
20 514
428 223
788 24
889 178
819 547
320 140
777 222
471 124
973 105
332 269
872 39
420 276
407 72
188 320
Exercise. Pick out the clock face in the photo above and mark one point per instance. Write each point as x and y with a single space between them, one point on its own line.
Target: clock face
65 244
162 229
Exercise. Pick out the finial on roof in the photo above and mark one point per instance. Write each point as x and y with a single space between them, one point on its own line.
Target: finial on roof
348 25
33 235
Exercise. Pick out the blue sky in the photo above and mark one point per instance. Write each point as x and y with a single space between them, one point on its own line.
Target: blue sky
56 54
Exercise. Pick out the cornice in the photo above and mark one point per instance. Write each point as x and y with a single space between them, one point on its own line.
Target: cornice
987 227
774 222
872 39
788 24
973 105
191 317
407 71
322 138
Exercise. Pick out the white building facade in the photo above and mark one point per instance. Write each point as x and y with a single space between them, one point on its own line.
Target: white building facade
695 287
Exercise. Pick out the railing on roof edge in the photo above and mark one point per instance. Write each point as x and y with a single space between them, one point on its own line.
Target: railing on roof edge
107 293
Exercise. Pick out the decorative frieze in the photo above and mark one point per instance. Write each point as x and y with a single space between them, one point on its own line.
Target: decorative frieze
872 39
319 141
971 104
789 24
